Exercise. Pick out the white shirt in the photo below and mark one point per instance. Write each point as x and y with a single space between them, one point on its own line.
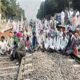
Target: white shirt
71 13
77 13
52 44
57 43
47 43
63 43
62 15
4 46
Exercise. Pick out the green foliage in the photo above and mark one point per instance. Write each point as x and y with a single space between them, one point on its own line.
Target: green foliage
10 9
41 11
50 7
76 4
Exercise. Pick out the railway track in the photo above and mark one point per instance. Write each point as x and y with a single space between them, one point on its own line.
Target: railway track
8 69
26 68
77 58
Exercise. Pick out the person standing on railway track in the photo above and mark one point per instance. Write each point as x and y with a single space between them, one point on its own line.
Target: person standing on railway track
34 41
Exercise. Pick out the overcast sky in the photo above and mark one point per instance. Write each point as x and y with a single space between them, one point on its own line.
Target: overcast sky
31 7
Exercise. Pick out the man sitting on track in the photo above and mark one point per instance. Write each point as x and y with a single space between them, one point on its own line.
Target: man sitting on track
20 51
72 46
19 48
3 46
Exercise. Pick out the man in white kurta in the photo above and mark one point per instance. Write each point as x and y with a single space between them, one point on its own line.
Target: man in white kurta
63 42
3 47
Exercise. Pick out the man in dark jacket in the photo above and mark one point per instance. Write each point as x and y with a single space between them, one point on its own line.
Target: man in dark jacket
21 51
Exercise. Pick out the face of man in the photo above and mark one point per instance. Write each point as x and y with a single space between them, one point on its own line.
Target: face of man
2 38
76 34
10 35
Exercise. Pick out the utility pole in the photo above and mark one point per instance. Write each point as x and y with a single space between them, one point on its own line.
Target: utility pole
0 11
22 21
70 3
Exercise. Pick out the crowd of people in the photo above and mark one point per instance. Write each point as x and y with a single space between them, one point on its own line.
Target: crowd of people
46 35
18 42
61 33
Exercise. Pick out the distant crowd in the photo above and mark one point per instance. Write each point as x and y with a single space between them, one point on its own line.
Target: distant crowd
61 33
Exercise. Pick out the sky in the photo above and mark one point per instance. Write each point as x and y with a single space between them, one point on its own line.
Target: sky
30 7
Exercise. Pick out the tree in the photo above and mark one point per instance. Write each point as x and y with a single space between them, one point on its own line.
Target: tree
50 7
41 11
76 4
11 9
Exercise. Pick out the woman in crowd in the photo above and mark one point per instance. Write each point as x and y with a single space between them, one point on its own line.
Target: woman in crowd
28 44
